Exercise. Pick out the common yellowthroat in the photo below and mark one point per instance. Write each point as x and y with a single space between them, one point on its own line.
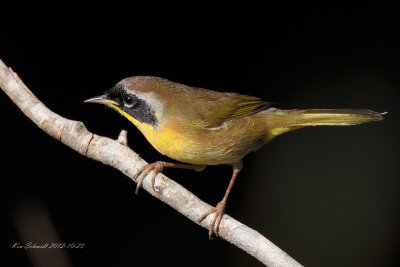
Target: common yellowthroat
202 127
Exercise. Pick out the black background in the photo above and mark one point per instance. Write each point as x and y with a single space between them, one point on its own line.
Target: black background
328 196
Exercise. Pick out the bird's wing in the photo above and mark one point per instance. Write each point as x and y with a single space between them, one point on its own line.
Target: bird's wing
215 111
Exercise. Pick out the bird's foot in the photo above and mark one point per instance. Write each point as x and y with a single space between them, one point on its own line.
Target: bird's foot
142 173
216 221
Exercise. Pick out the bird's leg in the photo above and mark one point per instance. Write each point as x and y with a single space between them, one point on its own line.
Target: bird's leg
157 167
219 209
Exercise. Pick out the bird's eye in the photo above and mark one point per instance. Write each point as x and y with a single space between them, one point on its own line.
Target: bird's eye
129 101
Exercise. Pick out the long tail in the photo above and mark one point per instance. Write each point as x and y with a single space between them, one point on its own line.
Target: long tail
282 121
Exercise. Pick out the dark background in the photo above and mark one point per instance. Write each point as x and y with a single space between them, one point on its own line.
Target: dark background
328 196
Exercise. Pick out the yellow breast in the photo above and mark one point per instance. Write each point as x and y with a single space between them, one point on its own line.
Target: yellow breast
167 141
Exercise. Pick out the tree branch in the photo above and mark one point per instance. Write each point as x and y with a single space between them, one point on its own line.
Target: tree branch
118 155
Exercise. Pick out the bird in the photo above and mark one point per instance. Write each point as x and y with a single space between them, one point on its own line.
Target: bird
199 127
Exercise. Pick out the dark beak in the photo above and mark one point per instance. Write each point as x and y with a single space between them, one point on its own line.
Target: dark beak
103 99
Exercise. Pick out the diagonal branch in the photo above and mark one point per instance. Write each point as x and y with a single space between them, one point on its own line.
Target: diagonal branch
118 155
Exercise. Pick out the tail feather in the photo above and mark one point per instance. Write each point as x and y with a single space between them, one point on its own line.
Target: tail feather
282 121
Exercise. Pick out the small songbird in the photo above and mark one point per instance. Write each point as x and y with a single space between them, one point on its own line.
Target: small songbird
201 127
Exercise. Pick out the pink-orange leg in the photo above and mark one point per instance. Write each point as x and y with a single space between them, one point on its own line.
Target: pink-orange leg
157 167
220 208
